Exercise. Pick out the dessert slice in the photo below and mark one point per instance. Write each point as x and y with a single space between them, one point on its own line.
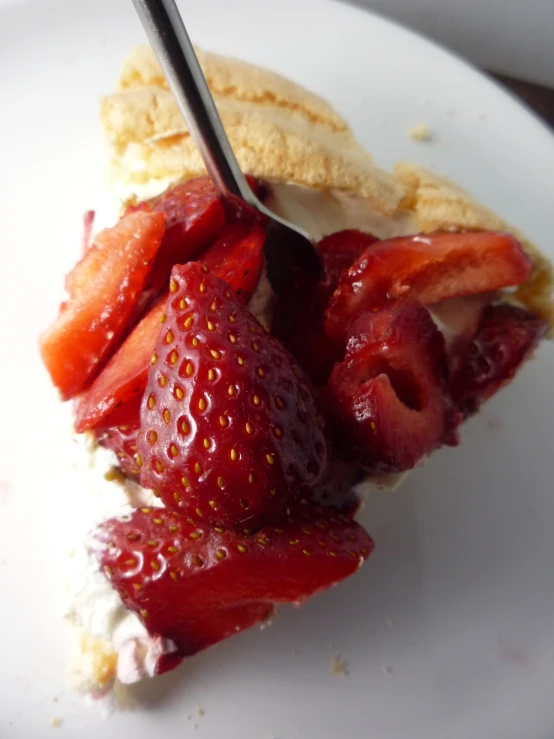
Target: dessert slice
243 422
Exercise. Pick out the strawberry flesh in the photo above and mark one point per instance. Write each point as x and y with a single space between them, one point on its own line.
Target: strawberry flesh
386 397
125 375
427 268
505 337
196 584
340 250
103 288
237 258
229 427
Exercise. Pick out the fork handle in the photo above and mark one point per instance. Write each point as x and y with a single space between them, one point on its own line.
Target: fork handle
169 39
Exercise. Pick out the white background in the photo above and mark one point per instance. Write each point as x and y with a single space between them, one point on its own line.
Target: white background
515 37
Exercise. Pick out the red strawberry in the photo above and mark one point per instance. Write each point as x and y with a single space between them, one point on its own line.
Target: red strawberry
196 584
387 396
427 268
228 422
299 313
505 337
124 376
237 258
103 290
194 217
119 433
339 251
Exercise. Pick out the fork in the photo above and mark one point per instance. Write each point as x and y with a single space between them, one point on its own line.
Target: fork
286 246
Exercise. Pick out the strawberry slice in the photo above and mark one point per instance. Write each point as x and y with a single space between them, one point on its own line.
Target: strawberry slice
386 397
196 584
119 433
340 250
103 290
195 216
237 258
125 375
427 268
504 339
298 318
229 427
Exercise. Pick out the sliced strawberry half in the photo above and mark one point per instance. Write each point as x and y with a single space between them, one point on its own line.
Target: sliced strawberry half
387 397
196 584
124 377
229 426
427 269
237 258
504 339
103 288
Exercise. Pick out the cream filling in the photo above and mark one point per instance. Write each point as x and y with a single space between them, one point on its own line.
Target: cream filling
112 646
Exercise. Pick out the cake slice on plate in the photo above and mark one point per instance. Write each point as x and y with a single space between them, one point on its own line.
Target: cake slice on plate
242 421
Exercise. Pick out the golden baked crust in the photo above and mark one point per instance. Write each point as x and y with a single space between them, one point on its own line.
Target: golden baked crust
278 131
282 133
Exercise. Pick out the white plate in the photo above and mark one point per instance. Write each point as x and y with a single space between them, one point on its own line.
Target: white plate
448 631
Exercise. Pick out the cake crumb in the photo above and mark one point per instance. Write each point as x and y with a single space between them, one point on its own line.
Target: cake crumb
389 622
114 474
420 132
386 670
55 722
200 711
338 666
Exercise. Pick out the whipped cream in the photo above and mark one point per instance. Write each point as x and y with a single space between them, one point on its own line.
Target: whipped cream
111 645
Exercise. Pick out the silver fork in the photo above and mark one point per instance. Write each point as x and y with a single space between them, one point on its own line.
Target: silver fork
286 246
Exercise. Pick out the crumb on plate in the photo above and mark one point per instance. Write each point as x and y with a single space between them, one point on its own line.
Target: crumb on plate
338 666
420 132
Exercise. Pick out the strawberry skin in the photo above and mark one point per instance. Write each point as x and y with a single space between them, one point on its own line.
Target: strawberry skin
194 217
103 288
387 397
427 269
340 250
229 427
125 375
505 337
197 584
237 258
